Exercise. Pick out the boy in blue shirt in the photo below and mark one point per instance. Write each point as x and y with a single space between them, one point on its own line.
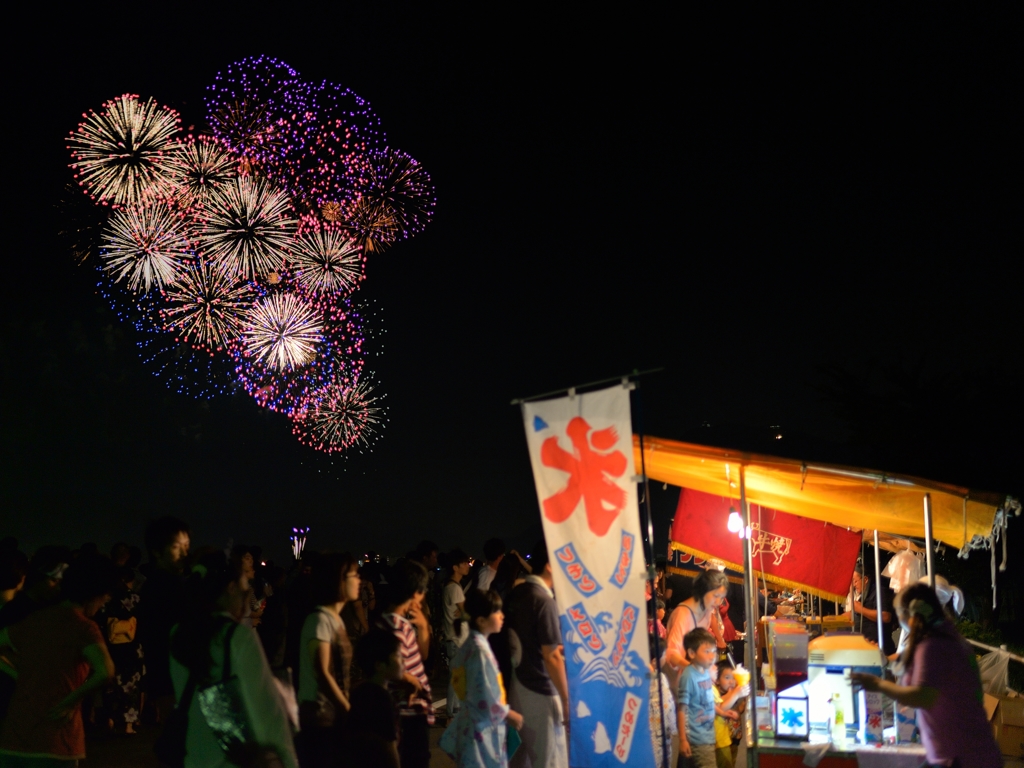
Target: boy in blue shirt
696 701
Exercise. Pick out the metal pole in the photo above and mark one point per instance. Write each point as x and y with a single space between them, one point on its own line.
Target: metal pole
750 593
651 571
878 599
928 539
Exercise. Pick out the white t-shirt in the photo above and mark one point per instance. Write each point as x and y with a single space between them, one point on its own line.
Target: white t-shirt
453 595
320 625
485 578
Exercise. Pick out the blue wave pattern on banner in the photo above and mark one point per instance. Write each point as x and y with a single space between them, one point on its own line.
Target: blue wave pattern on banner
576 571
609 691
625 562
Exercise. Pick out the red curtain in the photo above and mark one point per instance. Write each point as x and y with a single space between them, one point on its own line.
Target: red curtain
789 550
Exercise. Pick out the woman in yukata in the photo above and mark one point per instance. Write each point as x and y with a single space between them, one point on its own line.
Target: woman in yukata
476 738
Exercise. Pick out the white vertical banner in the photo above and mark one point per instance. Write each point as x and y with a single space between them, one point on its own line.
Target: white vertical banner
581 449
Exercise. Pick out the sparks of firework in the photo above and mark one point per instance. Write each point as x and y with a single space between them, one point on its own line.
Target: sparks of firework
206 306
246 227
329 131
248 127
403 188
298 540
328 258
282 331
331 211
145 244
245 106
79 222
340 417
119 153
198 167
373 225
339 354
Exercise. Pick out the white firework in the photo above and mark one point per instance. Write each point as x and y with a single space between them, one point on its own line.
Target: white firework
340 417
119 153
282 331
144 244
328 260
207 306
197 168
246 227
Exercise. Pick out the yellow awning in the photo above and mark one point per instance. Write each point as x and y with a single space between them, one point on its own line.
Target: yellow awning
855 498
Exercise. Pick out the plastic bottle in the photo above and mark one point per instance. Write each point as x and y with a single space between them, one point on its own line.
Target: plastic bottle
838 720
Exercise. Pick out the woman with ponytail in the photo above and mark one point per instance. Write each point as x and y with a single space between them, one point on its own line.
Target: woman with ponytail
940 681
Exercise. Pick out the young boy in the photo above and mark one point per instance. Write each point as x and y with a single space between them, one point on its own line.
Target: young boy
695 700
372 734
727 720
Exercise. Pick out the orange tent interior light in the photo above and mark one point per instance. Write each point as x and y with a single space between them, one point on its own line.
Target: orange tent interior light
851 497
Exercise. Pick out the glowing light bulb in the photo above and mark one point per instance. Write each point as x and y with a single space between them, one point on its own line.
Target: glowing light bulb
735 524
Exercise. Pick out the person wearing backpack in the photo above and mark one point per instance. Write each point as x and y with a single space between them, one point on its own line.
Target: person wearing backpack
229 711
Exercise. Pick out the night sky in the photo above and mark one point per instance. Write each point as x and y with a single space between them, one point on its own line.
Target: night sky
812 223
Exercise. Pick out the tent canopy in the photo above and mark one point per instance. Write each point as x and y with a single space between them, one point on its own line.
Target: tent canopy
847 496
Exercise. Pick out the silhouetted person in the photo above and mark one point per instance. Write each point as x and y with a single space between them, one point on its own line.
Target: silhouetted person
13 569
61 659
162 604
210 645
42 584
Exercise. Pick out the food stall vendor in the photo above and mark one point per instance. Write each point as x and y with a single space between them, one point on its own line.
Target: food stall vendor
865 609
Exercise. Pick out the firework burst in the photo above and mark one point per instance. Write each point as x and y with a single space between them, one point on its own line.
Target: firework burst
328 259
198 168
246 107
339 356
282 331
236 254
119 153
373 225
206 307
145 244
332 211
246 227
330 131
340 417
402 188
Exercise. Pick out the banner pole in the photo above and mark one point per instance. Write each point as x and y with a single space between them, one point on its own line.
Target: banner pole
578 387
750 593
878 598
652 607
928 540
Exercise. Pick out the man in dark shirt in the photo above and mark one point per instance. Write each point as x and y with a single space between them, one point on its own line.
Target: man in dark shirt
540 691
865 611
162 605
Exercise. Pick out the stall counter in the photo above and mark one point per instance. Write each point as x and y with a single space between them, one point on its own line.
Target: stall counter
780 753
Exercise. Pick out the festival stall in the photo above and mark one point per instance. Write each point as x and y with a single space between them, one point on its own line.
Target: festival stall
800 525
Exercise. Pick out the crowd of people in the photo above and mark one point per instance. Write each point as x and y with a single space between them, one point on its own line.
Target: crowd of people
333 661
236 661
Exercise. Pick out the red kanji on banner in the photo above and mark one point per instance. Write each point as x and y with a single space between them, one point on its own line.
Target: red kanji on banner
589 473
